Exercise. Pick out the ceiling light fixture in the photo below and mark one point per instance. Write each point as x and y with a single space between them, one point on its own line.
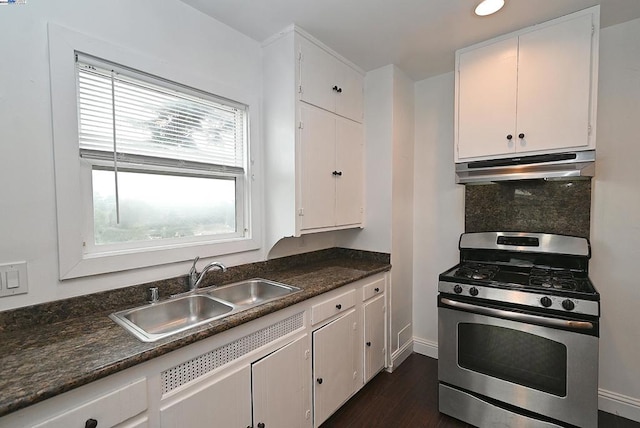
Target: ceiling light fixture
487 7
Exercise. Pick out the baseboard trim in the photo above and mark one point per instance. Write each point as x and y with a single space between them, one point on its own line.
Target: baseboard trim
425 347
400 355
618 404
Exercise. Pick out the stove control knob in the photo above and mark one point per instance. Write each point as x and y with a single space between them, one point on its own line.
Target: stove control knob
473 291
568 305
457 289
546 302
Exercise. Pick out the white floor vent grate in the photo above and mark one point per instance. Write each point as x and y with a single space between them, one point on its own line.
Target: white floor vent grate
186 372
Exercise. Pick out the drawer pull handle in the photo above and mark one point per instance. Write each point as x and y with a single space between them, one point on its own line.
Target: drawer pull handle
377 290
91 423
368 343
338 306
319 380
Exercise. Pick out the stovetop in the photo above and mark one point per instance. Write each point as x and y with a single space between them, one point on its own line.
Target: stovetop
541 272
543 278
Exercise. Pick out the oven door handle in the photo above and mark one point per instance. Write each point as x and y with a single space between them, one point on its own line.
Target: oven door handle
518 316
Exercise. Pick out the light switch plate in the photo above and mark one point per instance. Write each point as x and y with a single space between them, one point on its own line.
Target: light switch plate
13 278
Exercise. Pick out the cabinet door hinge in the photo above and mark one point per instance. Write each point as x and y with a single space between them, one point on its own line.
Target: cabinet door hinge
300 91
301 212
593 29
589 129
300 56
307 354
300 125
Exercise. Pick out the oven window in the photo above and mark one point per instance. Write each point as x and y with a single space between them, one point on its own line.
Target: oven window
515 356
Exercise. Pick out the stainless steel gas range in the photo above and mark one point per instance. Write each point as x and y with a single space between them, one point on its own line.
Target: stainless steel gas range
518 328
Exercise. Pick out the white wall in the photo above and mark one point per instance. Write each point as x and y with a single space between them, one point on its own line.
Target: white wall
378 134
167 31
438 206
402 214
615 220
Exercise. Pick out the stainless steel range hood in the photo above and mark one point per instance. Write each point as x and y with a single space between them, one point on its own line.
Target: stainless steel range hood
552 166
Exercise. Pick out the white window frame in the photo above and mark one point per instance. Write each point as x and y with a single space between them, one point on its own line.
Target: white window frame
73 189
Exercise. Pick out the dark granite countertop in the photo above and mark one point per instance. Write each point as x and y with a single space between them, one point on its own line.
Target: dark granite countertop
49 349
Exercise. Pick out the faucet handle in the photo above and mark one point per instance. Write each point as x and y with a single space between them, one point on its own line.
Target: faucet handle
193 268
153 294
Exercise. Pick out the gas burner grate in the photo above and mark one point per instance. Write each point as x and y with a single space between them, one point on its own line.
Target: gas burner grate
476 271
552 279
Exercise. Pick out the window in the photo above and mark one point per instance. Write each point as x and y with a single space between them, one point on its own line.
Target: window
150 167
167 162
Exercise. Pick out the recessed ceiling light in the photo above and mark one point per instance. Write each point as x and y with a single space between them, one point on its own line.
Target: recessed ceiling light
487 7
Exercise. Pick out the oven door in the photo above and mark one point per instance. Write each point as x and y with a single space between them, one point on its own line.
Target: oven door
547 366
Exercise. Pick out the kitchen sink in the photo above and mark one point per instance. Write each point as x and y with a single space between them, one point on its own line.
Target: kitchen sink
155 321
251 292
158 320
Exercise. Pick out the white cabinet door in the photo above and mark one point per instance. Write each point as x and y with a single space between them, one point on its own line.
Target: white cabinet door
487 87
317 76
350 98
374 339
329 83
223 402
281 385
349 164
318 157
554 86
331 170
334 365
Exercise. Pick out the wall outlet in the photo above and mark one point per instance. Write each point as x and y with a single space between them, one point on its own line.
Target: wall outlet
13 279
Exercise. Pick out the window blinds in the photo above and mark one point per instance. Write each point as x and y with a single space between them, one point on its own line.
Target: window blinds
144 121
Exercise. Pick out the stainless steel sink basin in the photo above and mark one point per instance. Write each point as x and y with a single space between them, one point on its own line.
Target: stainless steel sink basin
158 320
251 292
155 321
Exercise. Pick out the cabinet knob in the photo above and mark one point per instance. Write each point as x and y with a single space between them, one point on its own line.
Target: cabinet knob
509 137
319 380
339 90
368 343
335 88
338 306
261 425
377 290
521 135
91 423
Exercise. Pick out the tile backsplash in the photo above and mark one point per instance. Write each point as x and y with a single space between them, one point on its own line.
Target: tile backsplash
561 207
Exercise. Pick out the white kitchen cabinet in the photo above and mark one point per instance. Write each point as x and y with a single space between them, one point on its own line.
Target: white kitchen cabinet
374 321
335 365
314 138
329 83
530 92
331 168
106 410
219 402
281 385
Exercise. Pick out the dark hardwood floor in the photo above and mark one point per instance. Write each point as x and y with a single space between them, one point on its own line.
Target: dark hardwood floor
408 397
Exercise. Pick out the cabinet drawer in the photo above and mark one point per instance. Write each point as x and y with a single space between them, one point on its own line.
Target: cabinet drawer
108 410
331 307
375 288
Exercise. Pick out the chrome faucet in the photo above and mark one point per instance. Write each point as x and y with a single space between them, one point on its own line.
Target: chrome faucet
195 278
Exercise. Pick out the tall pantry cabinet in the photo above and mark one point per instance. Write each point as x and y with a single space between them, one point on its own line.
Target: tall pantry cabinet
314 138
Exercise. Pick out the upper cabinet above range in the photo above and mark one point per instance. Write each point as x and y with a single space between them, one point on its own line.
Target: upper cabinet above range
329 83
529 92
